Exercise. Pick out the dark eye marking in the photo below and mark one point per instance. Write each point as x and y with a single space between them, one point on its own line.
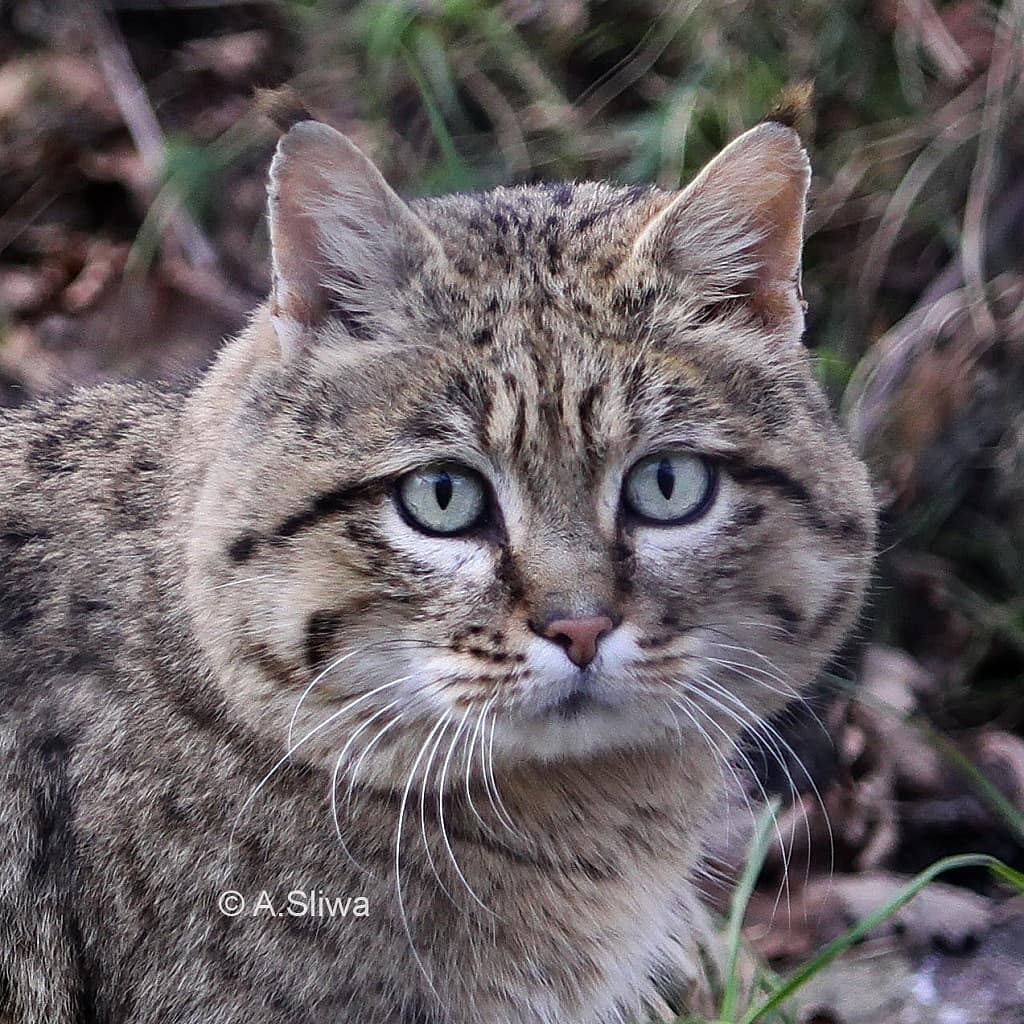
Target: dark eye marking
794 491
829 614
321 630
783 609
322 506
327 504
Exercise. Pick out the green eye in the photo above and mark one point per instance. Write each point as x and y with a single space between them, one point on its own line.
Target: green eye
444 498
670 488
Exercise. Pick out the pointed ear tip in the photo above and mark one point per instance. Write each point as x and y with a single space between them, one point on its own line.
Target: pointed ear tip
309 133
782 141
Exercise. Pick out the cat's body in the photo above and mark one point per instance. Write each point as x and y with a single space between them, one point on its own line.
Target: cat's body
193 584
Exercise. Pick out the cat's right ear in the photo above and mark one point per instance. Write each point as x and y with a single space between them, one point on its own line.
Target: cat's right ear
342 242
735 234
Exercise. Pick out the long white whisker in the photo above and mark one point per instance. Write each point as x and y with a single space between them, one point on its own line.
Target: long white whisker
334 781
344 710
469 765
248 579
446 720
779 746
746 719
500 806
440 813
320 675
694 691
756 675
680 701
398 857
353 775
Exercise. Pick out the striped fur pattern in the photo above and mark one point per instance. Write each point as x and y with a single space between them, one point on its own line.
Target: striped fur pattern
231 661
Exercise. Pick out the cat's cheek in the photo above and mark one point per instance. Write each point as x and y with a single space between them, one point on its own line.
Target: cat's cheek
464 561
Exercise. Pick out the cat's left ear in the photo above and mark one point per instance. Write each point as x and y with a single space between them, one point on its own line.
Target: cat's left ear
736 232
342 242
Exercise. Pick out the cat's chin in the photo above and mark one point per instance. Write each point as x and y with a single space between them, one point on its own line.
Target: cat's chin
578 727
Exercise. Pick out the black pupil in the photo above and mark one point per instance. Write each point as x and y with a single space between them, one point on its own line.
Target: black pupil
443 490
666 479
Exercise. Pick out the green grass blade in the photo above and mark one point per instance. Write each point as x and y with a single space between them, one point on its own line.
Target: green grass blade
844 942
756 854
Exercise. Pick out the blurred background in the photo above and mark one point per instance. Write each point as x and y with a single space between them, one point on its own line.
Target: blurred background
132 165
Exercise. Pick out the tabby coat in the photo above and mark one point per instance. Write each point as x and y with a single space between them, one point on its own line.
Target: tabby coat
235 658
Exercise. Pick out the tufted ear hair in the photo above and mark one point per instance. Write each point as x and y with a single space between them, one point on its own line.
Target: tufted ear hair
342 242
736 232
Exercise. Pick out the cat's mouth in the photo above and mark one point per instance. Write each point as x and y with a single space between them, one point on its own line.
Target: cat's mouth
583 695
574 705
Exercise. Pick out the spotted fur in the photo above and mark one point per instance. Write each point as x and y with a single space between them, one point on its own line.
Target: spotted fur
230 662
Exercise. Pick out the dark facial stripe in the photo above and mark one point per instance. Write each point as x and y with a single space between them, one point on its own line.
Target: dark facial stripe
243 547
321 629
586 415
16 538
508 575
794 491
323 506
281 673
783 610
828 615
328 504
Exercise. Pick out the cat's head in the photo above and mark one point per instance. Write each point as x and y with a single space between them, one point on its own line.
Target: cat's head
544 468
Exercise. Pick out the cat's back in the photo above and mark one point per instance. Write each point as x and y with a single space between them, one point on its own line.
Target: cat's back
83 512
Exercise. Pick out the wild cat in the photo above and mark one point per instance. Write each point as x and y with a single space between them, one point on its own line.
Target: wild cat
447 589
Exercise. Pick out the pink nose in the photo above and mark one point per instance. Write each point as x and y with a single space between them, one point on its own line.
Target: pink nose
580 636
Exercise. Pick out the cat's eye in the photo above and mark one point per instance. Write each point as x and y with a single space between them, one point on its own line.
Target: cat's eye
670 488
443 498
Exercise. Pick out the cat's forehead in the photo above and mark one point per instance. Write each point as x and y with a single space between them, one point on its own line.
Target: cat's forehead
559 414
534 236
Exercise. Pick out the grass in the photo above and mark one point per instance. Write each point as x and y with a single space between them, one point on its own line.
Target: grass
768 1007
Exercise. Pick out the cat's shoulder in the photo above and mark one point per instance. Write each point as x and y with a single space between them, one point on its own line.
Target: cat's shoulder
83 485
98 432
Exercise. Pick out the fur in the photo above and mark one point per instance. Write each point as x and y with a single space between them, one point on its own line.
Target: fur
229 662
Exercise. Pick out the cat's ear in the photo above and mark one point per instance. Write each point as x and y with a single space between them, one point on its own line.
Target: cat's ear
736 232
342 241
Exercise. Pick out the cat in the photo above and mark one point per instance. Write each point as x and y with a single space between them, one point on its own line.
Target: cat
446 592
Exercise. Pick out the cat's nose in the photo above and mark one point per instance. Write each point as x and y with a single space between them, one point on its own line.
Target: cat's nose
579 636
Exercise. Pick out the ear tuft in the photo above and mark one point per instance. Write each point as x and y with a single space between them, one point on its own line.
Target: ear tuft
736 232
793 108
282 106
342 241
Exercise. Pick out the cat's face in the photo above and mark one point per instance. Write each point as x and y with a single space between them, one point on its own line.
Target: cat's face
543 471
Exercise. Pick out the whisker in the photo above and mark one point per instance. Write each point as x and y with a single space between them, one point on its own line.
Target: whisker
777 740
767 736
334 664
353 775
440 813
680 701
446 720
469 765
291 750
500 807
249 579
760 786
337 772
398 859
